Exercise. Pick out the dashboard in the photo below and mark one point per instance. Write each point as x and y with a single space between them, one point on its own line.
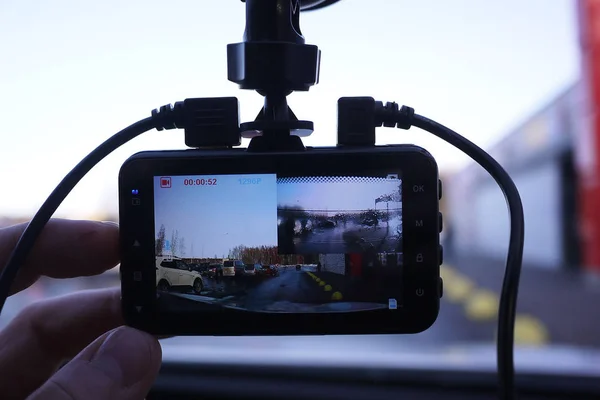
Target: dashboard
184 380
360 367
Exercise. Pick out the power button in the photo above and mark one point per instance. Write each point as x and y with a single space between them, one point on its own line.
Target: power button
420 292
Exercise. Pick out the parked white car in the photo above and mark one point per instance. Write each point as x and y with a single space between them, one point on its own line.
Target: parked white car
173 273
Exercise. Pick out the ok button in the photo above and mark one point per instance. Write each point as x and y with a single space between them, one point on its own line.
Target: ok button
419 188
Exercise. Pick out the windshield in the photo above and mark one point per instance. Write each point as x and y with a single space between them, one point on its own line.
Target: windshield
507 74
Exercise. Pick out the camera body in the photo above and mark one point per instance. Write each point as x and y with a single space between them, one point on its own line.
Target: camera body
279 238
332 240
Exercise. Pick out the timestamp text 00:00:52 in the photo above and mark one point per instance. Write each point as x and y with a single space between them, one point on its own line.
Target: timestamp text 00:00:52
200 182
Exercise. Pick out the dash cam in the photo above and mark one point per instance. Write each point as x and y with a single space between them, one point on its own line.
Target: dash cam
279 238
320 241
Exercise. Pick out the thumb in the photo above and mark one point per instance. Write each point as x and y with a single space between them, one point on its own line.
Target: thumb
120 365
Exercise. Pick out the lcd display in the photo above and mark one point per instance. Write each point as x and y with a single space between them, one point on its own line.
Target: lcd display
268 243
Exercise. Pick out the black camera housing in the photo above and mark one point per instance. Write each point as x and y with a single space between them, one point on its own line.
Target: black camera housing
421 226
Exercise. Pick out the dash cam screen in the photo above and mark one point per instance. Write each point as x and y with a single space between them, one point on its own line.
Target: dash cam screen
264 243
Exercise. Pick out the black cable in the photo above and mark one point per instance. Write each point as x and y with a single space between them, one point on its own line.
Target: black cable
163 119
510 285
358 117
314 5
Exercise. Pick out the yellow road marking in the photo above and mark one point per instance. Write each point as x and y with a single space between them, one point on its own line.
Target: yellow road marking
446 273
530 331
328 288
457 288
318 280
482 305
446 270
336 296
321 283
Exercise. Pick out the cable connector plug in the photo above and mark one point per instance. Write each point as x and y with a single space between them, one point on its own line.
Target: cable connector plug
208 122
391 116
357 119
212 122
359 116
404 117
169 116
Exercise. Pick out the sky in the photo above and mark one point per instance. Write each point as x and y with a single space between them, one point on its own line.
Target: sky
73 73
215 213
213 219
334 194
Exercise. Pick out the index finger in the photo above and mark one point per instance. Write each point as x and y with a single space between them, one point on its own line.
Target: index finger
64 249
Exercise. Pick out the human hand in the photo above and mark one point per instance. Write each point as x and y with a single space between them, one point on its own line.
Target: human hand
110 361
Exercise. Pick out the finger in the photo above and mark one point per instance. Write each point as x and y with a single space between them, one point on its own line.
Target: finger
39 339
120 365
65 249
